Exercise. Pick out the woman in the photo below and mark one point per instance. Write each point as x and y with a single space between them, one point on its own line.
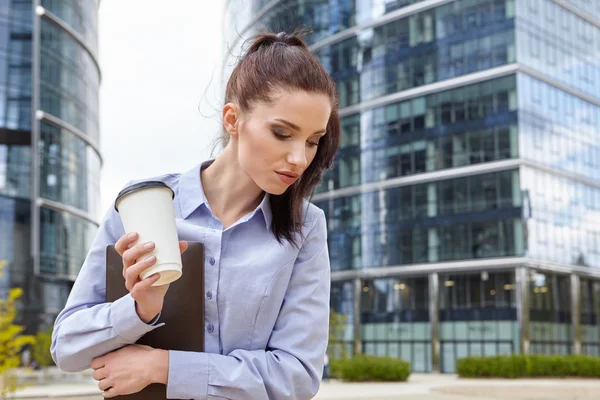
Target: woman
267 273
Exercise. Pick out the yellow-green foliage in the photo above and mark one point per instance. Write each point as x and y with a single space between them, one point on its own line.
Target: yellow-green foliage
337 324
41 349
11 340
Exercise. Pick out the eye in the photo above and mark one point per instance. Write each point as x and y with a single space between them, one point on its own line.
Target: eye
279 135
312 144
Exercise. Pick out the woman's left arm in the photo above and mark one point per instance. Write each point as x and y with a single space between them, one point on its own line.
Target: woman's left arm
292 365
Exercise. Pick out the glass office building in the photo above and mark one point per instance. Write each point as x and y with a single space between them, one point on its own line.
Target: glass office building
49 152
464 204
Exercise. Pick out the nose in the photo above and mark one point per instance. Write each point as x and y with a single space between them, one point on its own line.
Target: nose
297 156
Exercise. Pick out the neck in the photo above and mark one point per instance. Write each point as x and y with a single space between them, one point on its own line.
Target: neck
231 193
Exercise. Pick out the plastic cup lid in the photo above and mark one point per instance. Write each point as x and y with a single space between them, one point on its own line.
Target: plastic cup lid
142 186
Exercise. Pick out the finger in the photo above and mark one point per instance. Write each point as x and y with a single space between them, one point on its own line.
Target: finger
132 274
104 384
144 285
112 392
183 246
124 242
100 373
97 363
130 256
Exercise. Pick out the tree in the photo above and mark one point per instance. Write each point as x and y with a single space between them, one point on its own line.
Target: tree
11 339
41 349
337 326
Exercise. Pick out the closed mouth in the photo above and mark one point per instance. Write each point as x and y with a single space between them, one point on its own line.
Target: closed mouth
290 174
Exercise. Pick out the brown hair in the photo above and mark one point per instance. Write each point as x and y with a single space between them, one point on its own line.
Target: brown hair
284 61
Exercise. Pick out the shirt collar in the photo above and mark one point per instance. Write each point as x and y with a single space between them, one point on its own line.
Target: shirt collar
191 194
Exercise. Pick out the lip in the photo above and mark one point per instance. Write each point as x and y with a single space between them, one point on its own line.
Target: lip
287 177
289 173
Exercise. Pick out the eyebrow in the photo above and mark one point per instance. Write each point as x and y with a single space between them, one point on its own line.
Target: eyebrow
296 127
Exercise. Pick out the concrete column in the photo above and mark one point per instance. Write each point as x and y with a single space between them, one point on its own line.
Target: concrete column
576 313
35 137
434 312
522 298
357 323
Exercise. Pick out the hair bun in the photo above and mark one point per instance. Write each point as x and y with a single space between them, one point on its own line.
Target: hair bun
282 38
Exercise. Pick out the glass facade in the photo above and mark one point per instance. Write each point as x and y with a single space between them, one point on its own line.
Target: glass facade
15 99
342 302
468 172
69 80
590 312
65 241
550 313
69 166
15 68
325 17
558 129
563 224
424 48
395 320
559 44
472 217
69 169
478 316
465 126
80 16
15 220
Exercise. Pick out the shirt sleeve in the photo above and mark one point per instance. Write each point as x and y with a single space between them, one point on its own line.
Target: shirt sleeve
292 365
89 327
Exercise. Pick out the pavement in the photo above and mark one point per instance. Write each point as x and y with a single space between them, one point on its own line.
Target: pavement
450 387
418 387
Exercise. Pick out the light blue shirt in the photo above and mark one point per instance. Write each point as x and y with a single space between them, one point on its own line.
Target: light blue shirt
266 312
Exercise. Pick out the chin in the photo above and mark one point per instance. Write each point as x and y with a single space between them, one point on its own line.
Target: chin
274 190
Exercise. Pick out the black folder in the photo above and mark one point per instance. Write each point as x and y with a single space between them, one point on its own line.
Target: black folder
182 313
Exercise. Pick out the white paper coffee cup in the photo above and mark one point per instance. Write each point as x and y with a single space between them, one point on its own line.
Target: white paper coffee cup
147 208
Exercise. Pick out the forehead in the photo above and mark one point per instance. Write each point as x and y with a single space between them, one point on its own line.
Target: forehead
296 106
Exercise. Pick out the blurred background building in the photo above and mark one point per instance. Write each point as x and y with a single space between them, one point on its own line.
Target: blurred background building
464 205
49 153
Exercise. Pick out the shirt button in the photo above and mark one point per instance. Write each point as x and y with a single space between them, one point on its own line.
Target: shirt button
209 295
212 261
211 328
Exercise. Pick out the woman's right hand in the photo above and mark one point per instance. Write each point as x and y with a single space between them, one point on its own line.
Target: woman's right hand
148 299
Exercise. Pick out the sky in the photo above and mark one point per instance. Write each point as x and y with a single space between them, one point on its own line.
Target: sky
160 96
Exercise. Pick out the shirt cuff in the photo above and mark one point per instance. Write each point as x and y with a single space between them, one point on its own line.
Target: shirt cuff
188 375
126 322
154 320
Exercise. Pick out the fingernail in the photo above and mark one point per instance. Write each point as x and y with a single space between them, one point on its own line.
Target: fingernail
131 235
151 259
149 245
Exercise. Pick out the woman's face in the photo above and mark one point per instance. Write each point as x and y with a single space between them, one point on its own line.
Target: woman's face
276 142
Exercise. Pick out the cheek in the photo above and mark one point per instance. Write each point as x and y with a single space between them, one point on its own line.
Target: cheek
255 149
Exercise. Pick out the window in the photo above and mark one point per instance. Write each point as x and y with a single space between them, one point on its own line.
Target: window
420 156
550 12
534 46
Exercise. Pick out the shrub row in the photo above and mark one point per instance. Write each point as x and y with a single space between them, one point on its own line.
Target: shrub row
364 368
520 366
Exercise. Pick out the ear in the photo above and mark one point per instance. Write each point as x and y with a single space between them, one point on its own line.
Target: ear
231 117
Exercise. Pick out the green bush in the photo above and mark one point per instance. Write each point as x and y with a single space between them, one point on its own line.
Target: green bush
370 368
519 366
335 369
